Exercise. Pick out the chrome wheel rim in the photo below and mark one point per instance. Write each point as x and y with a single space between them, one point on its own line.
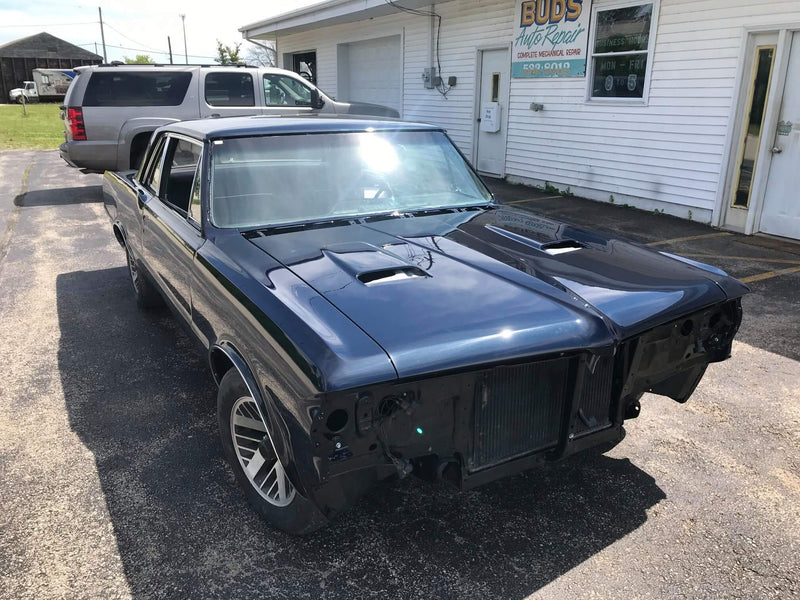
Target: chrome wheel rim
134 272
256 455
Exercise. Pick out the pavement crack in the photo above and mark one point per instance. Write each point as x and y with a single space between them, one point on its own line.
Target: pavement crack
19 202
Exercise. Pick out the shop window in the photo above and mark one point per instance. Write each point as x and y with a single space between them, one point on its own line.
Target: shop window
621 51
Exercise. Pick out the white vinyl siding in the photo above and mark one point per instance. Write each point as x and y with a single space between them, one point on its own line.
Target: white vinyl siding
466 26
669 151
666 154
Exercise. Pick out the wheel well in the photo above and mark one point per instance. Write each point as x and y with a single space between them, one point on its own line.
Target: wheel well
119 236
220 364
138 147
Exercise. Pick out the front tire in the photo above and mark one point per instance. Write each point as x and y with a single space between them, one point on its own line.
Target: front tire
248 447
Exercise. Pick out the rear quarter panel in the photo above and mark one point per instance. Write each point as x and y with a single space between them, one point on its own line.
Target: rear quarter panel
121 203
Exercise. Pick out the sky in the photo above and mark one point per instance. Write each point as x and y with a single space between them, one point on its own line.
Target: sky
141 26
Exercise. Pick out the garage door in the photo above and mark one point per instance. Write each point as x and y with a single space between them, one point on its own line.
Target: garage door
371 71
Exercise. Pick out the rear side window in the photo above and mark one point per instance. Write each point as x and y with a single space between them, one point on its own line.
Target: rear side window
152 178
230 89
119 88
179 171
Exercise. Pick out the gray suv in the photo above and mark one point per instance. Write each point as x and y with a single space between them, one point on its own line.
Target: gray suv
110 111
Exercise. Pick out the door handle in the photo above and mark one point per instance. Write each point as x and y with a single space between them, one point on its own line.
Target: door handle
776 150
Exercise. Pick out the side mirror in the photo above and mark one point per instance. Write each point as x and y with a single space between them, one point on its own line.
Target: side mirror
316 100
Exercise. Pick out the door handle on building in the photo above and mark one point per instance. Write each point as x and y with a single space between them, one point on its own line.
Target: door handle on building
776 150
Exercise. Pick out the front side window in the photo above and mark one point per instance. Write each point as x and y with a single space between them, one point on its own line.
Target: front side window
194 202
229 89
620 51
274 180
280 90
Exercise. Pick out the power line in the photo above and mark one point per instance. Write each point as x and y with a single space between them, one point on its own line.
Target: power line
38 25
166 53
131 39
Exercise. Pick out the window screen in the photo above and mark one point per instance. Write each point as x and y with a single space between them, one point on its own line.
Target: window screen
119 88
229 89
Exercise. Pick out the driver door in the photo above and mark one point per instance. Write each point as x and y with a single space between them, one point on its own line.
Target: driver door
285 95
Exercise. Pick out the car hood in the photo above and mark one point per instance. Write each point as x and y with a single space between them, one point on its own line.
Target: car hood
366 109
462 287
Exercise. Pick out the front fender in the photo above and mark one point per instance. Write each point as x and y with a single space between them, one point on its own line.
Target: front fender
279 437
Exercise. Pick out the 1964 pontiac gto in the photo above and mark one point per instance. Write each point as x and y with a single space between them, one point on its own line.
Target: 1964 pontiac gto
369 310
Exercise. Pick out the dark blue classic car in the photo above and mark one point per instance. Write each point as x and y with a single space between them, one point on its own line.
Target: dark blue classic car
370 311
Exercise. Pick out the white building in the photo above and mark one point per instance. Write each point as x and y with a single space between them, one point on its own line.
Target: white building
687 106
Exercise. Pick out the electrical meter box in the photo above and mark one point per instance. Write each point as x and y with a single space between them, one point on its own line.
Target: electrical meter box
490 117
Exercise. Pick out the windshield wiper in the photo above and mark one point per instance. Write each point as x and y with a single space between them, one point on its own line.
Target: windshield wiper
301 226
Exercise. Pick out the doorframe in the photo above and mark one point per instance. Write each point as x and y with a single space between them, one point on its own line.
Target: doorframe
476 103
735 124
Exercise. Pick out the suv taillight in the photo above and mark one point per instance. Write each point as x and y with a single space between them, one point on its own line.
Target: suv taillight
76 128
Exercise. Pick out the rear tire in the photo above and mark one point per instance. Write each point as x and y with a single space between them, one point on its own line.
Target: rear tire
247 445
146 294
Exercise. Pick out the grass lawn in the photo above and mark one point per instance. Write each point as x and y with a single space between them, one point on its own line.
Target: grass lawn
40 129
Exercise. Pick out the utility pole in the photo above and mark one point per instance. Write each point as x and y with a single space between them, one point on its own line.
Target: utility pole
102 34
185 52
169 43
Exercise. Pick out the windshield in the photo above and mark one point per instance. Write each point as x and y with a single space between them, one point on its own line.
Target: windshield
275 180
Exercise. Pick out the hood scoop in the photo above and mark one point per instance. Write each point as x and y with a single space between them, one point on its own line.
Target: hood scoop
387 275
563 246
370 264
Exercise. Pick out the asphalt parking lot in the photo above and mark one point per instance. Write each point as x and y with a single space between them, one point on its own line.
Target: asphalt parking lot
112 482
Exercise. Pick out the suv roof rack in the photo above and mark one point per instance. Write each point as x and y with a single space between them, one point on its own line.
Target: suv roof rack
117 63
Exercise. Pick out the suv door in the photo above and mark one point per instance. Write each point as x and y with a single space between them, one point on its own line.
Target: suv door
285 94
229 93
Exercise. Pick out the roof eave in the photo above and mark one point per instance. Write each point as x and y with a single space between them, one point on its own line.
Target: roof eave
331 12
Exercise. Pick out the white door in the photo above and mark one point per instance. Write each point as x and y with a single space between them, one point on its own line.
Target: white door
371 71
781 213
493 103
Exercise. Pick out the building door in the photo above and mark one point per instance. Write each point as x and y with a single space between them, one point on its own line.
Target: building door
371 71
781 212
490 152
305 65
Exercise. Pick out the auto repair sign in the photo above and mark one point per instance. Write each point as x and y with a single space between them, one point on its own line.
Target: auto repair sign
551 38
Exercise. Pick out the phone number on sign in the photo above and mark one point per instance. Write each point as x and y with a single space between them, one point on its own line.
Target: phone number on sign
546 68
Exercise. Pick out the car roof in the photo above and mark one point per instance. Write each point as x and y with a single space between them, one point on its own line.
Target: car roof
225 127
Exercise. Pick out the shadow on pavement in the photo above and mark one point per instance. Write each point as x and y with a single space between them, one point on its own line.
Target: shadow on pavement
60 196
142 400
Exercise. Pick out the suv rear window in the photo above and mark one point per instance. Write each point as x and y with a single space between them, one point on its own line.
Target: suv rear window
163 88
230 89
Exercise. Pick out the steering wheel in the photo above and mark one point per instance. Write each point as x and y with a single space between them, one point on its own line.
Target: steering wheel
355 199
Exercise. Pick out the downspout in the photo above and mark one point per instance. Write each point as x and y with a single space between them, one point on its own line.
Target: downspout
267 48
432 41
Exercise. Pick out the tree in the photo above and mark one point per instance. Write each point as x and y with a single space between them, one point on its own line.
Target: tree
141 59
228 55
261 56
